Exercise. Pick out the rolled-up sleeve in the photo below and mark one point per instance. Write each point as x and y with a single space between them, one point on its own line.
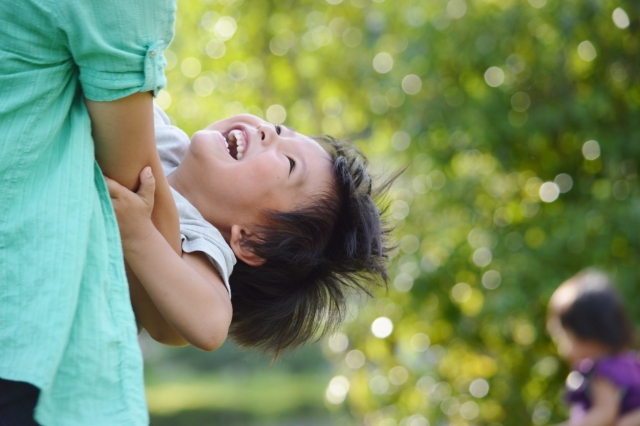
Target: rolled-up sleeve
118 45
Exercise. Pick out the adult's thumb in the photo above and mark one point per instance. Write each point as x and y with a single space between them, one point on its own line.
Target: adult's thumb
147 185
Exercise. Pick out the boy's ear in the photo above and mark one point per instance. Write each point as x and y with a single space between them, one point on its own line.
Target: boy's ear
241 249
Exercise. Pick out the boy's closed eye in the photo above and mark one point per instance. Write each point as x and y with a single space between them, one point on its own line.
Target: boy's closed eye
292 164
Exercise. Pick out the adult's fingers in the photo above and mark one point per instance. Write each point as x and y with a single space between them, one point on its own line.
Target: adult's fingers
115 189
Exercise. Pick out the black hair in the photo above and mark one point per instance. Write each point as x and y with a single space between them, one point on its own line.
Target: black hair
597 313
315 257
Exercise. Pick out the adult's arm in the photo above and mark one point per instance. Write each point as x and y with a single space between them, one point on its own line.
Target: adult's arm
125 143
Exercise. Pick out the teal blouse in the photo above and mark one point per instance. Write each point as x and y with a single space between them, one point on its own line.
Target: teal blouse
66 323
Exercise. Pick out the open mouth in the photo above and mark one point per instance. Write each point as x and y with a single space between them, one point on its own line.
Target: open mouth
236 143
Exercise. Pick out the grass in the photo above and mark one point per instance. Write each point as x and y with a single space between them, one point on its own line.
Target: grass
257 399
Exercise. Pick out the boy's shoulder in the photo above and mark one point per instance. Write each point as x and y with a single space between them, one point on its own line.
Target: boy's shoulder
171 141
159 116
199 235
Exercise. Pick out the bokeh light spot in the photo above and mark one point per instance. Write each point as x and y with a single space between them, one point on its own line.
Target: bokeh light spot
469 410
591 150
379 385
524 333
549 192
191 67
163 99
421 184
494 76
381 327
355 359
338 342
415 16
400 140
461 292
399 209
456 9
482 257
171 58
586 51
203 86
574 380
564 182
491 279
420 342
620 18
537 3
337 389
403 282
479 388
411 84
215 49
225 28
520 102
398 375
276 114
383 62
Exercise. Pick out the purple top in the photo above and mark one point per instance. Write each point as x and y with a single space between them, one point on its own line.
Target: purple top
623 370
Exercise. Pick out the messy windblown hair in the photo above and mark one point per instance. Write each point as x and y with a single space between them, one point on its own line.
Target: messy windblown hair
315 257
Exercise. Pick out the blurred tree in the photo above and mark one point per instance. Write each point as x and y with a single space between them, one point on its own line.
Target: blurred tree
520 122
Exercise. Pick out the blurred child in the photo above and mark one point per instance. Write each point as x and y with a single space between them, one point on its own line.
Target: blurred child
588 323
298 214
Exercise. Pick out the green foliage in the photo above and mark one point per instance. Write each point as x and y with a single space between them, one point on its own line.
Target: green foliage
491 104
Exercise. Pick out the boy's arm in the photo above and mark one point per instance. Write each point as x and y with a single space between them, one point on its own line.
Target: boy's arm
125 143
187 290
606 404
148 316
630 419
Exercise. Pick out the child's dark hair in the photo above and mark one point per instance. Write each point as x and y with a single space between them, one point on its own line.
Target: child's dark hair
315 257
597 313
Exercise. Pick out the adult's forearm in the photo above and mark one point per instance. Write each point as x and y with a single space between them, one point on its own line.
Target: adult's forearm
125 143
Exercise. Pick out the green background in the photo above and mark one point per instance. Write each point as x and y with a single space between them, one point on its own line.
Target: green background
519 123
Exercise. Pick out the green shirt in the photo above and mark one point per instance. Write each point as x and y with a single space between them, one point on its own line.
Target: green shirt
66 323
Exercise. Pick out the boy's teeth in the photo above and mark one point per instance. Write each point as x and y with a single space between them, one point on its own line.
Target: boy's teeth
237 136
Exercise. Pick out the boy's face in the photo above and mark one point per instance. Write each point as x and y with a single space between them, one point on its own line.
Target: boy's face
264 168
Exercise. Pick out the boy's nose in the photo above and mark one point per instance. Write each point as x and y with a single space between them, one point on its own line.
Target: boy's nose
267 133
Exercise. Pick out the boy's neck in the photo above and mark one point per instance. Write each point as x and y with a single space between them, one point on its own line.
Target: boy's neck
183 188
